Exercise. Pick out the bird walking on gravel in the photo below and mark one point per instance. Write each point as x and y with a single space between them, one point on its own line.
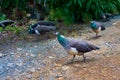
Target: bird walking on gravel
41 27
75 47
97 27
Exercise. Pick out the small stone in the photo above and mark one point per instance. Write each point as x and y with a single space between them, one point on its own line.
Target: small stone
32 55
19 64
65 68
118 68
57 65
19 49
32 69
12 53
35 46
1 55
58 76
10 64
51 57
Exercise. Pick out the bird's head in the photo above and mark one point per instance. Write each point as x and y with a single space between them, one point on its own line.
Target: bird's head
33 25
31 29
93 24
56 33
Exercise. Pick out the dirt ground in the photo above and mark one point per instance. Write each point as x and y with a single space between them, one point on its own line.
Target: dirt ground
103 64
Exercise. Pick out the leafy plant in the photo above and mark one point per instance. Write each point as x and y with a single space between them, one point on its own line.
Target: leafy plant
10 4
67 11
2 17
79 10
14 29
1 29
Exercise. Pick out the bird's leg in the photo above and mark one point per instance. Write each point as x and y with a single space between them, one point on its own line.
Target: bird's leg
84 58
73 58
96 34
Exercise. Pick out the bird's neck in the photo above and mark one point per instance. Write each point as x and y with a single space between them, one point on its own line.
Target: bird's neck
63 41
93 26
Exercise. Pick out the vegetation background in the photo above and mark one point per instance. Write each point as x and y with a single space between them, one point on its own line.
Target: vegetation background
66 11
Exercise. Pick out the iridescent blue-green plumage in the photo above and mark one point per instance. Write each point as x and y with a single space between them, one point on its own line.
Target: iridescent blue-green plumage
97 27
63 41
75 47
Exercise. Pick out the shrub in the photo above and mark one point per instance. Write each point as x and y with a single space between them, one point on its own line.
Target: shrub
79 10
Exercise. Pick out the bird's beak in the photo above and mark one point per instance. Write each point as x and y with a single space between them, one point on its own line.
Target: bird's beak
55 33
91 22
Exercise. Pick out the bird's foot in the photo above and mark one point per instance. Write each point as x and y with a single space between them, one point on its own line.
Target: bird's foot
84 58
98 36
72 60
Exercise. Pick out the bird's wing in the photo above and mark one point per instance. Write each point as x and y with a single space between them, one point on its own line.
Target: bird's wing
91 46
47 23
44 28
81 46
98 24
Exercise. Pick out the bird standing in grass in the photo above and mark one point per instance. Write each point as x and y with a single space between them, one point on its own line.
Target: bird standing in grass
5 23
97 27
75 47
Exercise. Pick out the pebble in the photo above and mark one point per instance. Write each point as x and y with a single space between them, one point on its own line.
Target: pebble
10 64
57 65
32 55
32 69
19 63
41 48
51 57
65 68
1 55
19 49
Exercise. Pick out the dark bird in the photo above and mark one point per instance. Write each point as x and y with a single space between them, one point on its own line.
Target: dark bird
105 16
97 27
41 27
75 47
5 23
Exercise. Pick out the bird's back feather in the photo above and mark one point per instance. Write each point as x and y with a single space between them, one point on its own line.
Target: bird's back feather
5 23
82 46
46 23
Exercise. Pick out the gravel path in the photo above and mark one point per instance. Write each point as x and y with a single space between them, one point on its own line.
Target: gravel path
47 60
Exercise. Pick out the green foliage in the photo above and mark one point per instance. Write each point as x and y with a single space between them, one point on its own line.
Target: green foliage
14 29
1 29
2 17
11 4
80 10
67 11
117 3
60 14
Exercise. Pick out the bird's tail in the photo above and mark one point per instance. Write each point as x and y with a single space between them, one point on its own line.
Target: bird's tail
102 28
93 47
